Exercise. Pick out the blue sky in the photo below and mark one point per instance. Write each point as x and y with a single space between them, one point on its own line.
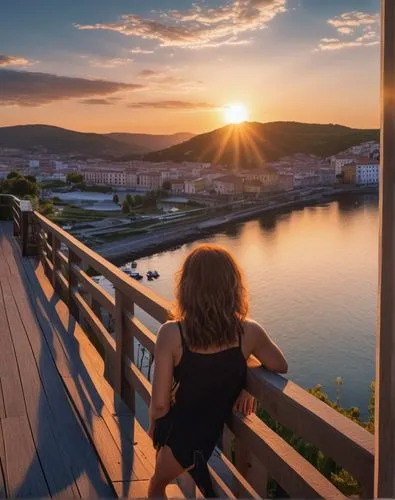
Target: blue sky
160 65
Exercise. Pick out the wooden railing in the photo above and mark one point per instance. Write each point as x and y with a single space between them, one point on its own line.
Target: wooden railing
21 213
251 450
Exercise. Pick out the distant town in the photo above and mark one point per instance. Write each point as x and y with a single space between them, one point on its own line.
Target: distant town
115 206
358 165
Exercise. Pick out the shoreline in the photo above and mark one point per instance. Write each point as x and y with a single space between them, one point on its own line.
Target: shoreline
138 247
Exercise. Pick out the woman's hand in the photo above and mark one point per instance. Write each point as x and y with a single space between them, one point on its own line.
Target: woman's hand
245 403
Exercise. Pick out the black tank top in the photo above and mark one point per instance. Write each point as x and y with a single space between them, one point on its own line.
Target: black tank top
205 387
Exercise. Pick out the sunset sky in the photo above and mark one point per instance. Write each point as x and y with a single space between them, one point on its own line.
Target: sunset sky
163 66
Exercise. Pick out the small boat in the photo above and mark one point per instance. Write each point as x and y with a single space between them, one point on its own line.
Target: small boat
150 278
126 269
134 265
155 274
136 276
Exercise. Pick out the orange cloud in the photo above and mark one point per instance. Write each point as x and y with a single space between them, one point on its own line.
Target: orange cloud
199 27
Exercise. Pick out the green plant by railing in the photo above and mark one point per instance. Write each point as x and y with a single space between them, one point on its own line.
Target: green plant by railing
327 466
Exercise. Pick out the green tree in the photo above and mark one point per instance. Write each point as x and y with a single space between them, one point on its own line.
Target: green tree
166 185
47 207
115 198
125 207
13 175
74 178
130 200
31 178
21 187
138 200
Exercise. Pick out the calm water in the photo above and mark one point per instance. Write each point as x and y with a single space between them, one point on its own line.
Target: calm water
312 276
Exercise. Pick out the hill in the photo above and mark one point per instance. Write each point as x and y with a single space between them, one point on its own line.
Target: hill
250 144
50 139
150 142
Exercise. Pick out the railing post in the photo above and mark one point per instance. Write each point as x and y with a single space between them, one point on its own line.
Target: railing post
384 480
115 367
56 264
26 210
73 285
50 274
13 205
251 469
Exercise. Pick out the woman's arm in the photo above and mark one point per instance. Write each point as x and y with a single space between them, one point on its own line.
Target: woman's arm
163 374
267 352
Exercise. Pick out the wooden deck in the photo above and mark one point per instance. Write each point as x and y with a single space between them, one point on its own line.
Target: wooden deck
63 430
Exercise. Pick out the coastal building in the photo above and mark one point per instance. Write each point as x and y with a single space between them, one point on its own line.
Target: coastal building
253 187
194 186
326 176
177 186
114 178
267 176
306 179
151 181
363 173
228 184
367 172
338 163
285 181
349 173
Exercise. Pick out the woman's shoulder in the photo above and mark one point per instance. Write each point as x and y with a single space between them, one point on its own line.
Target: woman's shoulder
169 334
252 327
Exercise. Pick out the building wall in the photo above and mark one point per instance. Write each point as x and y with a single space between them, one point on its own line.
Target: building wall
349 174
367 174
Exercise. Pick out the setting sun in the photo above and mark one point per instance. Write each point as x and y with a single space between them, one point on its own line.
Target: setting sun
235 113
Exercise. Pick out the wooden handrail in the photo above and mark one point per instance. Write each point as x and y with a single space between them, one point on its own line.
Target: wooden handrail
335 435
158 307
345 441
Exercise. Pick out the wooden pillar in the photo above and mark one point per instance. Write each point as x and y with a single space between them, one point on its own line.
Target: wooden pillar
124 347
73 285
57 265
385 353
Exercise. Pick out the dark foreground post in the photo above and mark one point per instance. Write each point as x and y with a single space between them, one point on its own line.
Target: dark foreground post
385 354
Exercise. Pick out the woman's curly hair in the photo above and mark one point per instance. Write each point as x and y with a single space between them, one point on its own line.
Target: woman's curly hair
211 298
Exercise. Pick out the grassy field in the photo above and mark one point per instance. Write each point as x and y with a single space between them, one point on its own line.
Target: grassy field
71 213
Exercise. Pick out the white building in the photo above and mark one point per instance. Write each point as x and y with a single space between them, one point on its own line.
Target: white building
194 186
338 163
115 178
367 172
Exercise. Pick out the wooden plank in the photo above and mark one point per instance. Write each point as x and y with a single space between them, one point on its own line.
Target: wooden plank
13 395
83 460
9 255
3 487
384 476
7 356
118 467
295 474
98 292
334 434
88 403
25 477
97 326
137 380
242 486
66 333
139 489
143 296
135 328
58 475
